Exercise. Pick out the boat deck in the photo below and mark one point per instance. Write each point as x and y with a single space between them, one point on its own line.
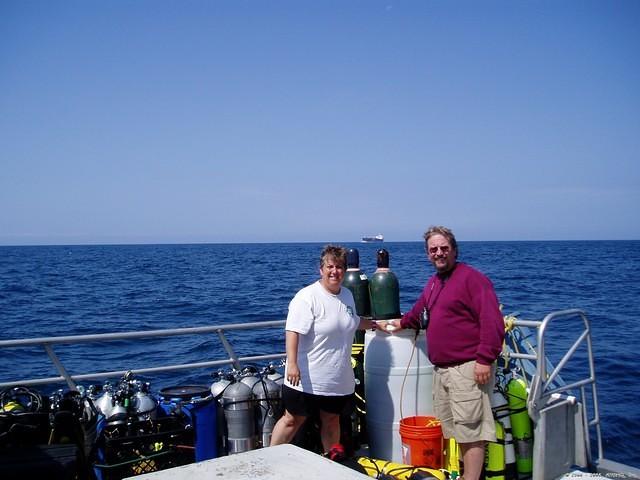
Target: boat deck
283 462
288 462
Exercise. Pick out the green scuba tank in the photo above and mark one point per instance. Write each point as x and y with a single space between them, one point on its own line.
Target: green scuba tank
494 458
357 281
384 290
520 425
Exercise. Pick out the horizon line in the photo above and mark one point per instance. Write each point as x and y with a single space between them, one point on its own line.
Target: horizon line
122 244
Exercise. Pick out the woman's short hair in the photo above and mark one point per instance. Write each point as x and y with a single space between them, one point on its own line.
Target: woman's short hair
336 252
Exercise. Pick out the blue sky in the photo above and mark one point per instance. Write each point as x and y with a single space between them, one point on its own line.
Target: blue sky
275 121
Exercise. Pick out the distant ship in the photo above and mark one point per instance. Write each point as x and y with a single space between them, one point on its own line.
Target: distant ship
377 238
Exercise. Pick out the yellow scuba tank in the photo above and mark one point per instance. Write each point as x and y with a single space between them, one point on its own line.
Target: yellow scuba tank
494 456
520 425
452 458
500 409
384 469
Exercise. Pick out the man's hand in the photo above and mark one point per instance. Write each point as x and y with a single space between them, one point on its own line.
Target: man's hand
482 373
392 325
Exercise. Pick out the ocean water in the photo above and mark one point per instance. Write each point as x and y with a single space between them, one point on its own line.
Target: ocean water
62 290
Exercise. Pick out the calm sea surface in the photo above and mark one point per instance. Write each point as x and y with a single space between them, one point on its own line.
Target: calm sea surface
62 290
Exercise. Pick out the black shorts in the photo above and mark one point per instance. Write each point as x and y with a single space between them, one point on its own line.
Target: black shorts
307 404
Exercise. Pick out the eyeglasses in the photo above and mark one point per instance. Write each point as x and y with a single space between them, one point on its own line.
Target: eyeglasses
334 267
444 249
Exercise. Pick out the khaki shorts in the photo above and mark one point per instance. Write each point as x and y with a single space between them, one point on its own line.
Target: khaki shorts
463 406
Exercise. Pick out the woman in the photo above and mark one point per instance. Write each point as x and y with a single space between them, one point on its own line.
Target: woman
319 377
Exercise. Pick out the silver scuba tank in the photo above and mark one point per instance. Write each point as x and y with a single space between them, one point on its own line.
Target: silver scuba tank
276 376
276 373
223 380
237 401
145 406
118 413
218 386
89 410
249 376
104 403
267 397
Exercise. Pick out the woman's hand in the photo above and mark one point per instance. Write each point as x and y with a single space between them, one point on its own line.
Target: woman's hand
293 374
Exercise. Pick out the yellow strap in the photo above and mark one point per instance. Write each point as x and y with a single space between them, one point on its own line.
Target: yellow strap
509 323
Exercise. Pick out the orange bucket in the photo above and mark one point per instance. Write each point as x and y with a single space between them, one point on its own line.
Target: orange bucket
422 441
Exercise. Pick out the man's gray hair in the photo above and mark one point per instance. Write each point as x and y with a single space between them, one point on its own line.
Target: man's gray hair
445 232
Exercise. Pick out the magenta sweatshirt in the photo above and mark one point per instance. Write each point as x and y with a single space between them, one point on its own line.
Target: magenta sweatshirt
465 322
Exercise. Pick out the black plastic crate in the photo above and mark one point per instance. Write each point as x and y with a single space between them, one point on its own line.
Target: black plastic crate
24 429
146 447
60 462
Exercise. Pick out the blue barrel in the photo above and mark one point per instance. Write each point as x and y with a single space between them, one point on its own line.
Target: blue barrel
197 403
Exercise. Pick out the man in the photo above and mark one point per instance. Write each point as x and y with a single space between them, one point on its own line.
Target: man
465 331
319 377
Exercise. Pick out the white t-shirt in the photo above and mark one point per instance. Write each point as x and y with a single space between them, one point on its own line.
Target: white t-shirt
326 324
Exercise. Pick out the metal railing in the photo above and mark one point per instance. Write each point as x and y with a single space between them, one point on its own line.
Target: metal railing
545 385
48 344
